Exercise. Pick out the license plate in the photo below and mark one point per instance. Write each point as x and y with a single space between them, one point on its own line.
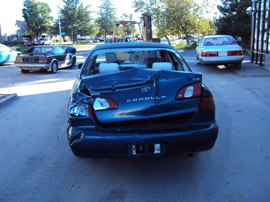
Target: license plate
222 53
146 149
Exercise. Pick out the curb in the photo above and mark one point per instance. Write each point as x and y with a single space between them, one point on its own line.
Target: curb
5 98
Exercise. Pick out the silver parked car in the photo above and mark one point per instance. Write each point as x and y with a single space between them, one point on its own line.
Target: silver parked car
219 50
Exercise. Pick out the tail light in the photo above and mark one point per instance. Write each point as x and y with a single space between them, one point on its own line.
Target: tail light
234 53
207 104
80 110
102 103
19 59
42 60
190 91
209 54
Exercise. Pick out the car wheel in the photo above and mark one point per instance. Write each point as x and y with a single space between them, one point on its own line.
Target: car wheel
24 71
238 66
54 67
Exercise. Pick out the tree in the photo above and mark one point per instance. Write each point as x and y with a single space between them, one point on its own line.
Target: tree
171 17
106 18
76 19
37 17
156 9
182 17
129 29
234 20
206 26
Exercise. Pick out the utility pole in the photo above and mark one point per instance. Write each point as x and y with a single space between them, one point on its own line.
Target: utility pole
59 23
71 27
147 27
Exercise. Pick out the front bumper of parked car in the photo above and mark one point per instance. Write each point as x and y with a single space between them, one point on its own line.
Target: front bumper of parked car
89 141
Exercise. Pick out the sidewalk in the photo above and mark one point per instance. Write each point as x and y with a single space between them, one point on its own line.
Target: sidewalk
252 70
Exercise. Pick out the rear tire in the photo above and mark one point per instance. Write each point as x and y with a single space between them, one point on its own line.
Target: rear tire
238 66
54 67
24 71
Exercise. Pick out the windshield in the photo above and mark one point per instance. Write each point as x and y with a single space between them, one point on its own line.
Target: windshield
126 59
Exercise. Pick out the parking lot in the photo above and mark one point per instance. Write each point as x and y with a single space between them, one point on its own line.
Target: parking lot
37 163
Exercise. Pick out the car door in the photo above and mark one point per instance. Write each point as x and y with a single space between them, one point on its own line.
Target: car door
60 55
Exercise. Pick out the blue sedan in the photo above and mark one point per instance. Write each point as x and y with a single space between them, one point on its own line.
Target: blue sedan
139 99
7 55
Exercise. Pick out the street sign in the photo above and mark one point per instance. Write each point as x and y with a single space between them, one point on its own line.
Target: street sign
63 33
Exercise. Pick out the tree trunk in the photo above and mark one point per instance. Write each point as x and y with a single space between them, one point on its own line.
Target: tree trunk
187 40
169 42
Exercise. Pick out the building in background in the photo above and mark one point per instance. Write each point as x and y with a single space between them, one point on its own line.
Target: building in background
260 32
13 32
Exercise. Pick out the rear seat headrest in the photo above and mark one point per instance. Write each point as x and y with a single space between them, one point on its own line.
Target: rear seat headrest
162 65
108 68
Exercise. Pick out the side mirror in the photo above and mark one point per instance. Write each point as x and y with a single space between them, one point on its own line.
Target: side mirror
80 65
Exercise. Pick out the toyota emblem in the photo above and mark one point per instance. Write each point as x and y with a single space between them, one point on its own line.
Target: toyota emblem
145 89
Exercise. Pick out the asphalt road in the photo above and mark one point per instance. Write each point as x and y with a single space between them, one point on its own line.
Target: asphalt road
37 164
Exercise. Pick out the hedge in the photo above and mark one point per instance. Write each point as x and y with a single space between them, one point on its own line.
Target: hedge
14 43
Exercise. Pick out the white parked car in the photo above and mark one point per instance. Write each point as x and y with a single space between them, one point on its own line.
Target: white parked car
85 40
7 55
219 50
43 41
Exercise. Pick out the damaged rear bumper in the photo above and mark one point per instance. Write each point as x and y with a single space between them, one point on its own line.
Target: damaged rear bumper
88 141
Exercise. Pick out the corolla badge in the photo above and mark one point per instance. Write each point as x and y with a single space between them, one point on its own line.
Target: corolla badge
145 89
146 98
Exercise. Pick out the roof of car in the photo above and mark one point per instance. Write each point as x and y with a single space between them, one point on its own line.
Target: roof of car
132 45
211 36
45 46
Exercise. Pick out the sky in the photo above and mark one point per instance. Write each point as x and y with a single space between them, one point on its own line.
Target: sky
11 10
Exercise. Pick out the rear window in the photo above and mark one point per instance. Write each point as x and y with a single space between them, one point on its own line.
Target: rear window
214 41
41 50
136 58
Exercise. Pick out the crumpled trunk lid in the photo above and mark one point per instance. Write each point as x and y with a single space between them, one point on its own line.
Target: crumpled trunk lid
143 94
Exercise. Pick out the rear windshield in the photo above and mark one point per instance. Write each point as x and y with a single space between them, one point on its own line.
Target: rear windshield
125 59
40 50
219 41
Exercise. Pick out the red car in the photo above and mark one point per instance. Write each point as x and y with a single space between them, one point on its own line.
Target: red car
29 43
